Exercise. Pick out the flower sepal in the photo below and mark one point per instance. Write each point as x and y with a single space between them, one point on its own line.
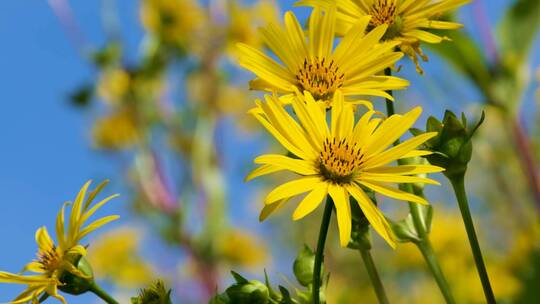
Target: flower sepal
405 230
80 283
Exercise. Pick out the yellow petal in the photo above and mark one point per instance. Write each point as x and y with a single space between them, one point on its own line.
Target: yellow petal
292 188
406 169
262 170
394 178
299 166
373 215
311 201
394 193
343 212
397 151
269 209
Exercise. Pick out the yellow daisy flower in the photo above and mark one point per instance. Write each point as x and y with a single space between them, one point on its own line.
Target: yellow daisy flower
308 60
341 160
408 20
55 260
173 21
117 130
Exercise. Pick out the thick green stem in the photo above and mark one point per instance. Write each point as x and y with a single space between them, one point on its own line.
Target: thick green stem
458 183
436 271
102 294
374 276
416 213
319 254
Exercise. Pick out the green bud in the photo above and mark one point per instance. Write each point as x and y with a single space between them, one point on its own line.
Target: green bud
155 294
303 266
74 284
452 147
247 292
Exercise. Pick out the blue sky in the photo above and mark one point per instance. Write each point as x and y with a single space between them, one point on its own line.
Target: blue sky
46 156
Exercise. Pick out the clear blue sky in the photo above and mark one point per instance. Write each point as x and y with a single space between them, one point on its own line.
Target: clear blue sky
46 156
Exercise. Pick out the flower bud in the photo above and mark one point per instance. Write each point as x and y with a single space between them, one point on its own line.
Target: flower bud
155 294
303 266
247 292
452 147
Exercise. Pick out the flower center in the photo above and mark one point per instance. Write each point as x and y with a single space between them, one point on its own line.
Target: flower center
49 260
339 160
320 77
383 12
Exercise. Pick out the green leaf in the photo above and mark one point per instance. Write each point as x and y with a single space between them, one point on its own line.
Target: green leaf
517 31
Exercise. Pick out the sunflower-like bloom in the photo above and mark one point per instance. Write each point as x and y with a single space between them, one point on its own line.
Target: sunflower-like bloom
341 160
173 21
55 260
408 20
311 63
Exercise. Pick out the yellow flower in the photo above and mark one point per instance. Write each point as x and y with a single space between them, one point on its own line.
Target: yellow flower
340 160
408 20
242 249
54 260
243 21
311 63
116 131
115 255
113 85
173 21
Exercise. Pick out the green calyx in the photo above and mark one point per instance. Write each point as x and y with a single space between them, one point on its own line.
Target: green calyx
452 147
74 284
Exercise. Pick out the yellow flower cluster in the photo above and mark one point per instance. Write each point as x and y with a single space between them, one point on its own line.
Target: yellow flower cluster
336 153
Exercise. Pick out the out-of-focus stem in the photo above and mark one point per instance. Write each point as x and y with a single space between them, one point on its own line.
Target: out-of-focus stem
524 150
374 276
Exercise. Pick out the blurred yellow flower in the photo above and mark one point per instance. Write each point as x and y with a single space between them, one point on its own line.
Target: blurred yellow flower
117 130
173 21
408 20
244 21
113 85
340 160
242 249
311 63
55 260
114 255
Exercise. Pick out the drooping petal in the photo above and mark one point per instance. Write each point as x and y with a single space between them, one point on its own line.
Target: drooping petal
343 212
311 201
373 215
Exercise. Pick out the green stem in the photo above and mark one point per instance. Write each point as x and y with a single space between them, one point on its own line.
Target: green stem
431 260
418 219
458 183
319 255
374 276
102 294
